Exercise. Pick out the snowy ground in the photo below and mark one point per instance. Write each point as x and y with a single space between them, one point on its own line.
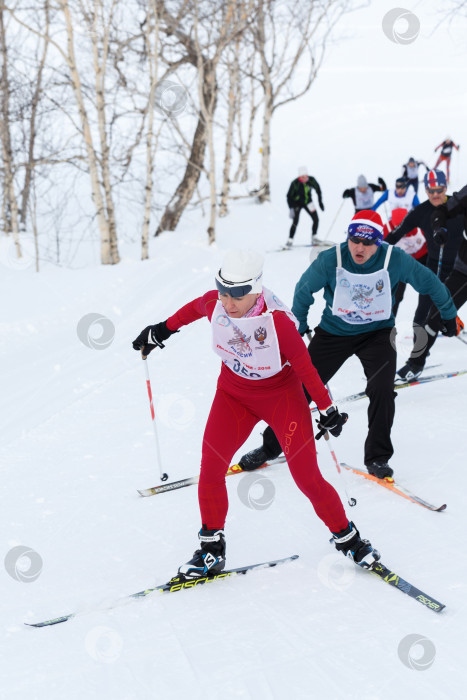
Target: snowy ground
78 445
78 442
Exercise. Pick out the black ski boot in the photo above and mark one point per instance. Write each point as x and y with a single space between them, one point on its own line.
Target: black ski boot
255 459
209 560
380 469
409 372
351 545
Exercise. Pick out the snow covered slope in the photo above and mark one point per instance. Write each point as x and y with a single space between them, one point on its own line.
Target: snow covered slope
77 442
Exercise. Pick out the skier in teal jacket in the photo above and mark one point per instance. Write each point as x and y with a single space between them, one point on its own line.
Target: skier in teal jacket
359 278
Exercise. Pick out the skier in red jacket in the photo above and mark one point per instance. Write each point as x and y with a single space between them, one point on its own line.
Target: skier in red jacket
414 243
264 363
446 151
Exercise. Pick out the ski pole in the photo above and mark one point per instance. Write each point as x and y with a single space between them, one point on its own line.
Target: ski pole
334 220
351 501
440 260
163 476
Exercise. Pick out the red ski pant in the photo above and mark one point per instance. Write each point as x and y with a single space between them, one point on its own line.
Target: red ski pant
233 415
448 162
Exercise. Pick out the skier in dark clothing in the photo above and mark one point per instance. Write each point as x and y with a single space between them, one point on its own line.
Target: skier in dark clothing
435 187
456 282
410 171
362 195
299 197
359 279
446 150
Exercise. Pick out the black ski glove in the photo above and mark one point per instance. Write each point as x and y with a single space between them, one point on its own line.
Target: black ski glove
382 184
152 337
332 420
449 327
438 224
306 331
321 205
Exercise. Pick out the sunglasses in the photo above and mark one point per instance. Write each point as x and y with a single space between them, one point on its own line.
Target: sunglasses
365 241
435 190
233 289
401 187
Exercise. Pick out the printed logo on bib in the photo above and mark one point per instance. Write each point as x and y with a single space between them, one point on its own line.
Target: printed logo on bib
260 336
223 320
379 285
361 296
240 343
344 282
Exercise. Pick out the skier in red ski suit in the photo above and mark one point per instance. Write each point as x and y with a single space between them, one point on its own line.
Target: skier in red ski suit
264 364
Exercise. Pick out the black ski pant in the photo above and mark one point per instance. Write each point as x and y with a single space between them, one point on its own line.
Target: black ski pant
313 214
424 301
423 342
457 285
376 351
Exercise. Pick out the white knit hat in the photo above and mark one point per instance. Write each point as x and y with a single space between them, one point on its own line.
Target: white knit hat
303 170
241 273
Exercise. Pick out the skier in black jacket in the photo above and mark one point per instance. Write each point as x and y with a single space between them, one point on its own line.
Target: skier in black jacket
456 282
435 187
299 197
410 171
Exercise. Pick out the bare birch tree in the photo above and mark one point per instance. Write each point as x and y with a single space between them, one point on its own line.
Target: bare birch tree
288 35
210 28
10 203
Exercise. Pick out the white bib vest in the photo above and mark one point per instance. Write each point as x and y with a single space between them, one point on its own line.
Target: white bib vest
249 346
364 200
362 299
404 202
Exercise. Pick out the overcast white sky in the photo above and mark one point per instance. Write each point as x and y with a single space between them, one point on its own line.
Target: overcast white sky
377 102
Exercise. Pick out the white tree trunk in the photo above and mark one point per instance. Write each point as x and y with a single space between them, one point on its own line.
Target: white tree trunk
11 223
151 49
107 256
233 89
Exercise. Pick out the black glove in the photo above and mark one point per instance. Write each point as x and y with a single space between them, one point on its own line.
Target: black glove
438 224
306 331
321 205
440 236
332 420
382 184
152 337
434 325
449 327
